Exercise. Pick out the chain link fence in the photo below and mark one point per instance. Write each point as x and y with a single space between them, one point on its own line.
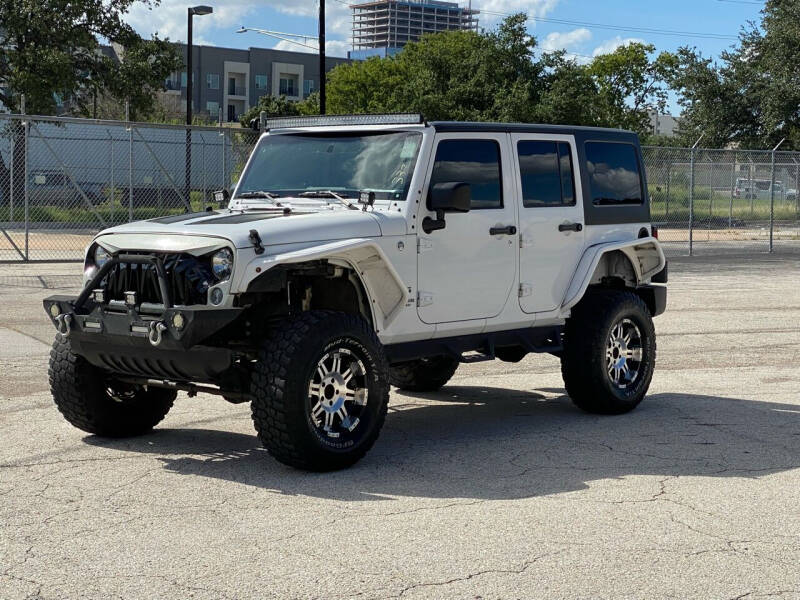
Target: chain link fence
724 201
64 179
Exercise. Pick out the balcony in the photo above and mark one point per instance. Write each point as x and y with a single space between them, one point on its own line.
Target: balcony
237 90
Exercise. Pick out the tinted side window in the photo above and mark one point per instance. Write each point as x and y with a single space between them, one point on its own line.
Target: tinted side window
567 180
475 162
614 174
546 172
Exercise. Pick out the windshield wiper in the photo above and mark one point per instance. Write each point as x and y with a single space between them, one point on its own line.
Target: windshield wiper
258 194
328 194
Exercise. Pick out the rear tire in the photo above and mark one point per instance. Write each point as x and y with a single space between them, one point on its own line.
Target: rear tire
423 374
320 391
609 352
92 401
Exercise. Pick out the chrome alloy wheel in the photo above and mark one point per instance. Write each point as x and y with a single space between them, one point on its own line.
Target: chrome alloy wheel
338 393
624 354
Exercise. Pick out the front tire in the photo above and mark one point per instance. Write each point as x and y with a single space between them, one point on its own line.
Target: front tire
609 352
424 374
91 400
320 391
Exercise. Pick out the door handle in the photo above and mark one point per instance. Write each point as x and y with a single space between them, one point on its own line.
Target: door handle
507 230
570 227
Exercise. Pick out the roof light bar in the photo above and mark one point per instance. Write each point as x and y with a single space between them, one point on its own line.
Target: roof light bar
332 120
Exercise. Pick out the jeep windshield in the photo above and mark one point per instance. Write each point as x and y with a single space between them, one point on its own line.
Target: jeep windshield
322 166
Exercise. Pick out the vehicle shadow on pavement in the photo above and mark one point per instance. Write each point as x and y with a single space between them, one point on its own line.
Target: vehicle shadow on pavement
489 443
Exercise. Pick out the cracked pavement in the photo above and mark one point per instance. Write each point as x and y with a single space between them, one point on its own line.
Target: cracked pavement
495 487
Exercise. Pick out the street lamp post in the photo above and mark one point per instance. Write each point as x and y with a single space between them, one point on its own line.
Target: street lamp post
191 12
322 71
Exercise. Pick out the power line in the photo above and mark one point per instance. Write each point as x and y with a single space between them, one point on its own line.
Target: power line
622 28
286 37
652 31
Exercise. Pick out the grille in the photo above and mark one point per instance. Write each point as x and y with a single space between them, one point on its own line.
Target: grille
188 279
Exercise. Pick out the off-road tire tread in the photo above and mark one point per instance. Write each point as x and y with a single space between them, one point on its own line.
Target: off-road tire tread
273 401
78 392
584 347
423 376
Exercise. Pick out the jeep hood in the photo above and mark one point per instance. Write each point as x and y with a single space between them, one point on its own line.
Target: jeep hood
191 231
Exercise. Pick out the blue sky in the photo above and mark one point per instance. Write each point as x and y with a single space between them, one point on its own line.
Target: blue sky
584 39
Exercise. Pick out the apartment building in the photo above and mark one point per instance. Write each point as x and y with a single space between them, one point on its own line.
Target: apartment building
232 80
383 27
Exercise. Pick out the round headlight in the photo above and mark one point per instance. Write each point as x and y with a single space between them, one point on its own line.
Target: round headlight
101 257
222 264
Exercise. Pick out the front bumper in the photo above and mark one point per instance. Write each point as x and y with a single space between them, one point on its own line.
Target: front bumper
146 340
124 342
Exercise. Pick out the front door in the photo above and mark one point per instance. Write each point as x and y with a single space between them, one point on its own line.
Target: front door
466 270
551 218
231 113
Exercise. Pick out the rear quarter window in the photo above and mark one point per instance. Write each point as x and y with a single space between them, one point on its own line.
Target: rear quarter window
615 177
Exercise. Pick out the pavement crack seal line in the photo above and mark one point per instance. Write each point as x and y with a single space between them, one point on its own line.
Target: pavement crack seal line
216 593
730 546
427 508
8 573
524 567
66 462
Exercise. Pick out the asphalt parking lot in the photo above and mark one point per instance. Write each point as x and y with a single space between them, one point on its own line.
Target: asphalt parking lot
495 487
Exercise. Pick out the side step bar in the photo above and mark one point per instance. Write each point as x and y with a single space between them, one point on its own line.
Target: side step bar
531 339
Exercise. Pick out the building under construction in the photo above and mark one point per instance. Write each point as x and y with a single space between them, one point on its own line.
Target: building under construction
383 27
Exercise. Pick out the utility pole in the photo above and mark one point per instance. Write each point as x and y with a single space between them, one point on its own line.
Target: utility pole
322 57
190 12
772 196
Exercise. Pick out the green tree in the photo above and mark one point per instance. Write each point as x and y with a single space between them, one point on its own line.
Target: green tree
364 87
570 93
451 75
751 96
501 76
52 48
630 83
281 106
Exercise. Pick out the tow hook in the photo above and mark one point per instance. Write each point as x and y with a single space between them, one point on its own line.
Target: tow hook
63 323
155 329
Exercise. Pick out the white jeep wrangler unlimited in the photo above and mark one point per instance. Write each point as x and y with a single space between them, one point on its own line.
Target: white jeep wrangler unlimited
358 252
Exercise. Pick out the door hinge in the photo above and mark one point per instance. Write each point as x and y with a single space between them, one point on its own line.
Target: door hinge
424 299
423 245
525 289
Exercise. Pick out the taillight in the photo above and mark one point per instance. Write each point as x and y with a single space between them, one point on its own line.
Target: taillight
654 231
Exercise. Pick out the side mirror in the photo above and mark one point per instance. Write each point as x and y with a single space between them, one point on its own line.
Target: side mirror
452 196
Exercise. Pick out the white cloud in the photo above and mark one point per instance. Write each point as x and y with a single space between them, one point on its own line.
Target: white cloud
609 46
169 18
533 8
567 40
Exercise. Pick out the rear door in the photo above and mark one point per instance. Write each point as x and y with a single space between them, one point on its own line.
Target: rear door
466 270
551 218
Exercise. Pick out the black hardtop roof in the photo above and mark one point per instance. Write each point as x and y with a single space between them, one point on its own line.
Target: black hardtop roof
583 132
